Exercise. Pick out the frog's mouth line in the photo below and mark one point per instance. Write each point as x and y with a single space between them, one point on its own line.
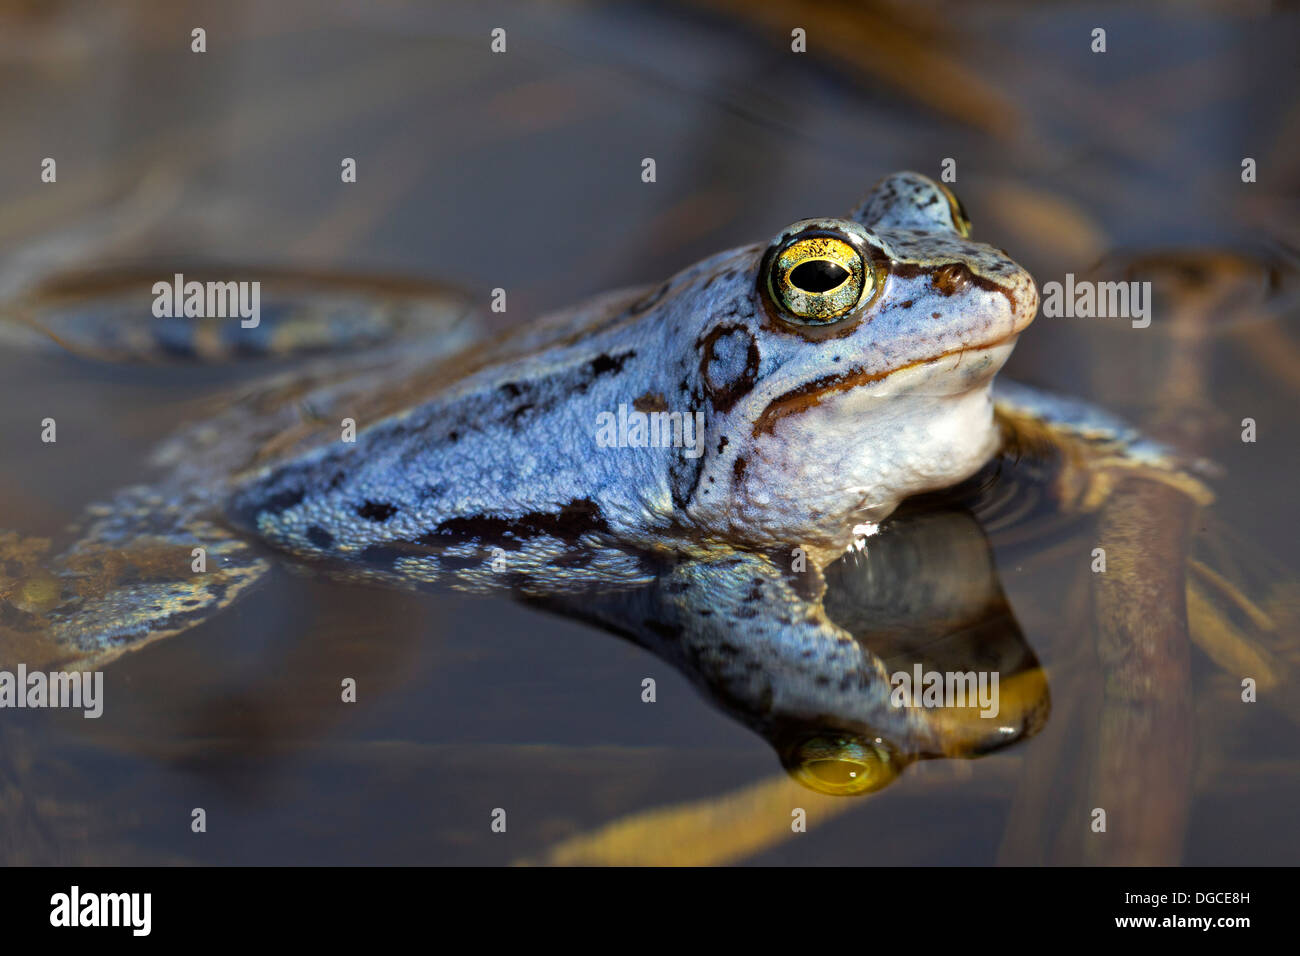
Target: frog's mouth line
811 395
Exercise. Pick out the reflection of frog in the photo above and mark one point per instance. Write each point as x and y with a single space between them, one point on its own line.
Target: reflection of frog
834 372
926 599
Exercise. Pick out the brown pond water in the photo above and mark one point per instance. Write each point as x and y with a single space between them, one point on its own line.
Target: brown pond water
522 171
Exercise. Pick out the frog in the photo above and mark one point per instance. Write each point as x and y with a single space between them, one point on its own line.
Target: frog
802 389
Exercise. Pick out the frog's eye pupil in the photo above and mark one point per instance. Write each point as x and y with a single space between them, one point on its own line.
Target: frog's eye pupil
818 275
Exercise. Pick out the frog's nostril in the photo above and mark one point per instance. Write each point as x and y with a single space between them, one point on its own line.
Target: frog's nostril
818 276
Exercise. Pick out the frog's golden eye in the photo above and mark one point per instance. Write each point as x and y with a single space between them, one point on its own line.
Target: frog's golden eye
959 217
818 279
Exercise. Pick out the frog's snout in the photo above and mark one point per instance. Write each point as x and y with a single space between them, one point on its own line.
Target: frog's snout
1013 283
1024 307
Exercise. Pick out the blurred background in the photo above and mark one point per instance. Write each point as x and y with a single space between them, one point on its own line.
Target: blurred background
522 170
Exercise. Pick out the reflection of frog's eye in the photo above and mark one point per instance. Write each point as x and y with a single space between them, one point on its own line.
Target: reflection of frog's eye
818 279
842 765
959 217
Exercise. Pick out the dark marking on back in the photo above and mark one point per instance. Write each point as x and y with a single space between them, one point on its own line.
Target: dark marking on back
376 510
320 538
650 402
574 519
604 364
282 501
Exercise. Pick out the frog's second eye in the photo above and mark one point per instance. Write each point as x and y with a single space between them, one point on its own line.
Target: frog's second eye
818 279
960 220
842 765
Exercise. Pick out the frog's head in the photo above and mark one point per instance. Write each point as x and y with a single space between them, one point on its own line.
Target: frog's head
849 364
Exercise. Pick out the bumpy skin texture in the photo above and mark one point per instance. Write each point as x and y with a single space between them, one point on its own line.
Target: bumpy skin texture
808 430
